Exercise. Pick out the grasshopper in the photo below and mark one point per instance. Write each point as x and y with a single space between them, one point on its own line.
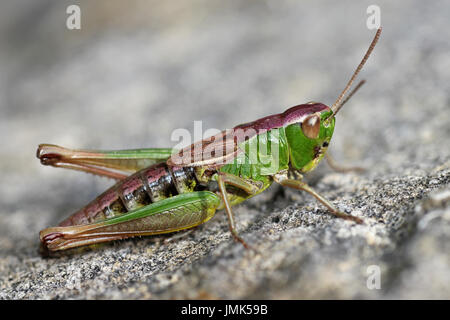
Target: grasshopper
161 190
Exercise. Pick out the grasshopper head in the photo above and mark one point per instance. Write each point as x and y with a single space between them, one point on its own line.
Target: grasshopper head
309 128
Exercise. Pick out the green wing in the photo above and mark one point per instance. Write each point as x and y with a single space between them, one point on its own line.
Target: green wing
102 162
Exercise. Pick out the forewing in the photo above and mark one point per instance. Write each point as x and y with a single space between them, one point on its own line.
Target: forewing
214 151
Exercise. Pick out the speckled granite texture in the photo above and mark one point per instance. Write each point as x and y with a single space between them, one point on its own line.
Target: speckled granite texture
137 70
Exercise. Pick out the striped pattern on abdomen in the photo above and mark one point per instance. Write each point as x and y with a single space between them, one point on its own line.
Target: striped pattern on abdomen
142 188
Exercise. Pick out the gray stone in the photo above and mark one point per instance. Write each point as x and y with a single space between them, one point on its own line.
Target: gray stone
137 71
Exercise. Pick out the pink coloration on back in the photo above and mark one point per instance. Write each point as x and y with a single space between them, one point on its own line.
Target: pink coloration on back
152 176
107 198
300 112
291 115
199 153
130 185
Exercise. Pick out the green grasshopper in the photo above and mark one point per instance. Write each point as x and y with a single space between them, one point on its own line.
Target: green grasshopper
171 190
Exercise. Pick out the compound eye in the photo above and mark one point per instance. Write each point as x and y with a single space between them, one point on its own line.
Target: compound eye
311 126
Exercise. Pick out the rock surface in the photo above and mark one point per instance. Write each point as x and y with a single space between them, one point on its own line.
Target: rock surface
134 73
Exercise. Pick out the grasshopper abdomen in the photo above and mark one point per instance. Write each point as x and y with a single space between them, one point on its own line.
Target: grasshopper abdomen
142 188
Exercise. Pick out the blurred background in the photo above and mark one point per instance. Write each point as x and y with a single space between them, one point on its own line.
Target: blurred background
137 70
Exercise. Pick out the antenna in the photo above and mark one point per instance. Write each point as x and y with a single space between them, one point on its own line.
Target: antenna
338 105
353 92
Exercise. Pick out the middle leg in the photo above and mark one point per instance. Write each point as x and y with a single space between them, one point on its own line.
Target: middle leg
251 187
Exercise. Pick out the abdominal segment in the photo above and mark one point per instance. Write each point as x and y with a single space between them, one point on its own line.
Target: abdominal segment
142 188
